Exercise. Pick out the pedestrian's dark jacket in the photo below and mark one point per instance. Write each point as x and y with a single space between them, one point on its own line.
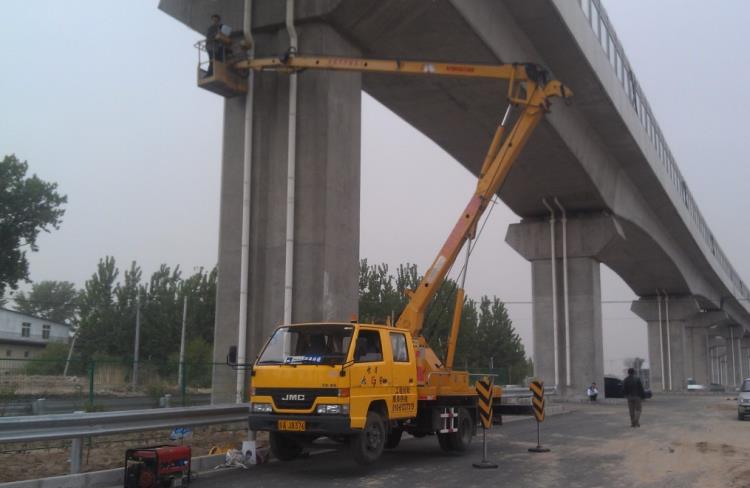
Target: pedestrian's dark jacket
211 34
632 387
212 31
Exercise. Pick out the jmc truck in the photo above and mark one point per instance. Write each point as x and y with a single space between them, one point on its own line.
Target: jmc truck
366 384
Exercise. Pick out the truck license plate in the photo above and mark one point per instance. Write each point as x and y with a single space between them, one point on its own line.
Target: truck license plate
292 425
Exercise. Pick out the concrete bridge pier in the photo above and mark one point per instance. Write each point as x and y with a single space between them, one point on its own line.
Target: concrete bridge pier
697 364
699 330
669 347
718 360
736 369
745 348
587 238
326 200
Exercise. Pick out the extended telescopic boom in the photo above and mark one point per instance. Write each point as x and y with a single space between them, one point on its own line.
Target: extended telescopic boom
528 88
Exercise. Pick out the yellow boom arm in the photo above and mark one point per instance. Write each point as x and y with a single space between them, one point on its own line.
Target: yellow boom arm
502 154
527 88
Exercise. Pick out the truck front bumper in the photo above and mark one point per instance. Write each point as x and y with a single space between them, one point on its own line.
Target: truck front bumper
314 424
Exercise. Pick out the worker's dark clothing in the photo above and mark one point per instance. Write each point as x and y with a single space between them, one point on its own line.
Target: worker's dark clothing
633 390
214 48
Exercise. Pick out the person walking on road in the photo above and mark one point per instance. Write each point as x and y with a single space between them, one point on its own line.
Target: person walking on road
633 389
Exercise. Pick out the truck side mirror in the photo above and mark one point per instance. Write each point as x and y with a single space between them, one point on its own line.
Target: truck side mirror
232 356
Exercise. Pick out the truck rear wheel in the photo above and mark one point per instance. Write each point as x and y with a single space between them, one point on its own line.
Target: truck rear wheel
367 446
461 440
445 442
458 441
283 447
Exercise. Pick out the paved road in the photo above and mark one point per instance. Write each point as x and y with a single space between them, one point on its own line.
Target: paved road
684 442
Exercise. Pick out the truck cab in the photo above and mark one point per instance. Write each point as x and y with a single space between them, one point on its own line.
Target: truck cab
349 381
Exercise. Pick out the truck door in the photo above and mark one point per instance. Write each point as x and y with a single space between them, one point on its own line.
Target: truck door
370 374
404 387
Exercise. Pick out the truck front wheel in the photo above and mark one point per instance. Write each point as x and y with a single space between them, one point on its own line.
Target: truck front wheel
283 447
367 446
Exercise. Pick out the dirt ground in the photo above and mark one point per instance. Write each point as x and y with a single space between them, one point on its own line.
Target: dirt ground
697 442
41 460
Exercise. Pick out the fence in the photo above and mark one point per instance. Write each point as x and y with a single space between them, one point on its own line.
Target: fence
36 386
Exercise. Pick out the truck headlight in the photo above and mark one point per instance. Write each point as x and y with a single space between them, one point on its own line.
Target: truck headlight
745 400
262 408
326 409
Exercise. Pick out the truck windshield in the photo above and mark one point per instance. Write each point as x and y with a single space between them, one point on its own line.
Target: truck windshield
308 344
745 385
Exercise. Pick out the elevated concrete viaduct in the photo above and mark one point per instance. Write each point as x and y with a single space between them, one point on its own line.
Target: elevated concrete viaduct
603 158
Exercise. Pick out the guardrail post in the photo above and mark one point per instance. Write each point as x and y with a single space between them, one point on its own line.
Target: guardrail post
37 406
183 386
76 455
92 367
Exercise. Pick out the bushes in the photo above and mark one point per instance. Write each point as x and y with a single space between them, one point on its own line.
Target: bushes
50 362
198 357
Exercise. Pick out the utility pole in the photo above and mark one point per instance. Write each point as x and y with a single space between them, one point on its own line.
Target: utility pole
137 338
70 353
182 341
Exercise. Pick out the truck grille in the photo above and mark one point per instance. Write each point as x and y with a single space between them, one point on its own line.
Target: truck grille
296 398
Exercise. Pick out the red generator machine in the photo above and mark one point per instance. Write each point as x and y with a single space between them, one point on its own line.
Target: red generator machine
157 467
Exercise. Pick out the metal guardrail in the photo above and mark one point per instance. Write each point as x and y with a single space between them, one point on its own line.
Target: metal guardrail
599 22
516 396
61 405
77 426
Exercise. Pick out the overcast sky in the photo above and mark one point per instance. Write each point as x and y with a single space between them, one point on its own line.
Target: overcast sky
100 97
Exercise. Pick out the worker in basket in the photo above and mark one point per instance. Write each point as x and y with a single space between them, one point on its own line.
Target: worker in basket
215 45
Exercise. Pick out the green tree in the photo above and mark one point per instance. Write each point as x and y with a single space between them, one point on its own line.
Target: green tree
380 295
497 339
51 361
108 311
28 205
52 300
486 330
198 362
161 315
200 290
99 315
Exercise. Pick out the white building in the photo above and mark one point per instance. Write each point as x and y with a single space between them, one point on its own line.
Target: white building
25 336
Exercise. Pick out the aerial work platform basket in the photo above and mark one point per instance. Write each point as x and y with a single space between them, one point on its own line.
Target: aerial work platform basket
215 72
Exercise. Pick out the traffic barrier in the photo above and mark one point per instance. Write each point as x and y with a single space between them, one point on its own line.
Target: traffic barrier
537 403
537 400
484 405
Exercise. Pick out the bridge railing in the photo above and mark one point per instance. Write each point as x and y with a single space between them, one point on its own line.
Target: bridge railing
605 33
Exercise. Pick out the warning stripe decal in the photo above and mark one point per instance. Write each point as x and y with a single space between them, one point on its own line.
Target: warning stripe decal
537 400
484 401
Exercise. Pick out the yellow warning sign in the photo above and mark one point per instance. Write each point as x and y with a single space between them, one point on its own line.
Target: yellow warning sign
537 400
484 392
